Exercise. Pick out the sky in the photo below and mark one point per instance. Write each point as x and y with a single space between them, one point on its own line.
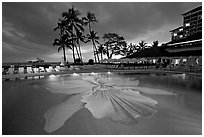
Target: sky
27 27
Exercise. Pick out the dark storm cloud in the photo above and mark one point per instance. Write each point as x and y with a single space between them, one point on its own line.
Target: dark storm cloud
31 19
29 26
133 19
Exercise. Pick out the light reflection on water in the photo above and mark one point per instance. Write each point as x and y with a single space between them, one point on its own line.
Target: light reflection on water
116 97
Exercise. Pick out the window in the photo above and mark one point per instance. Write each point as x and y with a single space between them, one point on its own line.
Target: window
184 60
177 61
196 60
181 29
187 24
200 17
175 34
181 36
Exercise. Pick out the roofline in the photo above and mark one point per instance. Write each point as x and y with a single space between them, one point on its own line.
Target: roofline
185 42
176 28
191 10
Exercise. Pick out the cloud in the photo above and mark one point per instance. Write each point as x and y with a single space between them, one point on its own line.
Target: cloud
27 27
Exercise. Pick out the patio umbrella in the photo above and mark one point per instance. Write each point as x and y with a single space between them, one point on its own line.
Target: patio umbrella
134 60
125 60
143 59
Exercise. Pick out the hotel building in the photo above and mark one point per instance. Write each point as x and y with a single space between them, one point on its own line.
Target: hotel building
188 37
186 41
192 26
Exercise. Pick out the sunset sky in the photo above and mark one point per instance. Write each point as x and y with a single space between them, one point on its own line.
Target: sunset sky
27 28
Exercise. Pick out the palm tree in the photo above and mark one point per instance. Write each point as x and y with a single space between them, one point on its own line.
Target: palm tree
132 48
61 42
155 44
58 42
143 45
90 18
79 38
101 50
94 38
74 26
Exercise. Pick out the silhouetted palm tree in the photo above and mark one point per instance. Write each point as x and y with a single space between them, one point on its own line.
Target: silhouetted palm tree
155 43
101 50
132 48
143 45
94 38
74 25
61 42
90 18
80 37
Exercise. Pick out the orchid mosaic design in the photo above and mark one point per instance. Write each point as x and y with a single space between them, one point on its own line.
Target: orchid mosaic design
105 97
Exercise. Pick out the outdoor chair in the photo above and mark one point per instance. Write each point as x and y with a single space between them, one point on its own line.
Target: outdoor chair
11 71
29 70
57 68
50 69
36 70
47 69
21 70
41 69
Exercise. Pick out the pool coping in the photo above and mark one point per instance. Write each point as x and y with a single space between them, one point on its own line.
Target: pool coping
19 76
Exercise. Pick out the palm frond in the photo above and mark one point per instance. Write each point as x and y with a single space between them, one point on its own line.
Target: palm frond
97 41
59 48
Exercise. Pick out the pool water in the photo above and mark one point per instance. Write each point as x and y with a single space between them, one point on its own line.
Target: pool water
103 103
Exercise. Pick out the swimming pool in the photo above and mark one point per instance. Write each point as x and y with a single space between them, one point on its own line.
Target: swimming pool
104 103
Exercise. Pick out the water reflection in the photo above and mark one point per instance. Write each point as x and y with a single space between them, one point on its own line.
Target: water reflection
116 98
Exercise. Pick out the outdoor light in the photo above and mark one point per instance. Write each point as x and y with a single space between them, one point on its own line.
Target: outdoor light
52 76
42 76
36 77
29 77
75 74
92 73
109 72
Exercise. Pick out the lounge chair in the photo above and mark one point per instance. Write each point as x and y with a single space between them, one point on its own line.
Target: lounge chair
57 68
21 70
36 70
41 69
29 70
50 69
11 71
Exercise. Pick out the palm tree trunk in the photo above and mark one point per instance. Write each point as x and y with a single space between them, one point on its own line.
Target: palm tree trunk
73 50
64 54
92 42
94 55
73 44
95 49
73 55
80 53
77 52
101 56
